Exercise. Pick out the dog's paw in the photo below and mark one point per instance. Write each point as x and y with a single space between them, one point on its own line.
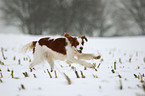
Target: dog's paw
91 66
69 62
97 57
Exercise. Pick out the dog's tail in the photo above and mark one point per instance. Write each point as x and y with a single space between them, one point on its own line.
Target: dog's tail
29 46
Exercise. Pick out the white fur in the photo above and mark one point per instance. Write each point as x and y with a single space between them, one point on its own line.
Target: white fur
72 55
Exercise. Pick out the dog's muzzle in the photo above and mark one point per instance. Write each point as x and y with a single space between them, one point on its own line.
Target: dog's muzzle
80 51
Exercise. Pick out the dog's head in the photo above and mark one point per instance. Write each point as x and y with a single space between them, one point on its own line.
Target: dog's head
77 42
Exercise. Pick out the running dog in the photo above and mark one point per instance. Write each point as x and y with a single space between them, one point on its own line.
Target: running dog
67 48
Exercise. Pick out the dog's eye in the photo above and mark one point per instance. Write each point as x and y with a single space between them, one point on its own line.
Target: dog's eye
77 43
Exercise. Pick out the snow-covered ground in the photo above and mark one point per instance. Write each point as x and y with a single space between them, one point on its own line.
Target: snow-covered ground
120 71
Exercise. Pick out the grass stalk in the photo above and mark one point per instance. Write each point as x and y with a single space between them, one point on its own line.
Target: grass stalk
12 74
67 78
120 61
19 61
2 50
25 74
22 86
1 81
34 76
82 74
113 71
129 60
121 86
55 74
99 65
135 76
77 75
1 75
49 73
114 65
141 77
119 76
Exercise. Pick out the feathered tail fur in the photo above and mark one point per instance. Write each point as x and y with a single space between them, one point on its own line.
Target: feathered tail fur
29 46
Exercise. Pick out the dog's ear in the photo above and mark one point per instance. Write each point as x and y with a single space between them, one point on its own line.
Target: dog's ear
84 37
66 35
71 39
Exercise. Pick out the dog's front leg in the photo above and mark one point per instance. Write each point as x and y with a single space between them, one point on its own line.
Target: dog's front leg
70 57
84 63
87 56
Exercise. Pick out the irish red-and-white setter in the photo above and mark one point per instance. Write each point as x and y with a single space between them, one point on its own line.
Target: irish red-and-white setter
67 48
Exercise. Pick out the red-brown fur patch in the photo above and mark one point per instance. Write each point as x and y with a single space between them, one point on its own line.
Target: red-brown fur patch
57 45
84 37
72 40
33 45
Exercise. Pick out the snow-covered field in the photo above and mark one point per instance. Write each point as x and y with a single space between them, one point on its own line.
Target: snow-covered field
120 71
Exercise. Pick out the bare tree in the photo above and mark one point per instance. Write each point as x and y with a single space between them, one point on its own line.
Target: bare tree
61 17
137 10
88 16
103 18
29 15
58 16
77 16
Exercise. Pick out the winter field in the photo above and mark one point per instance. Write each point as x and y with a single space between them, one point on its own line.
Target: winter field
119 72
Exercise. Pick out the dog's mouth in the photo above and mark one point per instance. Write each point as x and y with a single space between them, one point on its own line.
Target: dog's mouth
80 51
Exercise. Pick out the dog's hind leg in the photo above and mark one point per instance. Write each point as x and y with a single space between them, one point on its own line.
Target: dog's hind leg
35 62
50 61
37 59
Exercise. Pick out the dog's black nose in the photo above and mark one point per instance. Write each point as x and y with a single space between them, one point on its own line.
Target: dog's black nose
81 48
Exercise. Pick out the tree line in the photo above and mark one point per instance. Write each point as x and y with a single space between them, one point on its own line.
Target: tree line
76 17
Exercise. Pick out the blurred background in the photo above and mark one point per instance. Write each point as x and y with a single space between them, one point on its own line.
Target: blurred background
97 18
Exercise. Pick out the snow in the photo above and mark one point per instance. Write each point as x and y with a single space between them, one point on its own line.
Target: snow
127 52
